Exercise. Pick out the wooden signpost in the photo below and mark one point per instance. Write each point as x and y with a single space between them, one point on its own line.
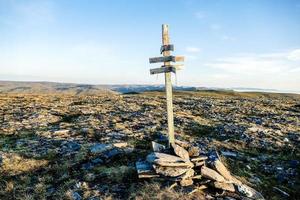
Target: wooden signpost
167 68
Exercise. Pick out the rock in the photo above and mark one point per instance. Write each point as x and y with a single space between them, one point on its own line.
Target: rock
158 147
145 170
99 148
182 144
70 146
120 144
164 158
211 174
224 186
286 140
194 151
186 182
181 152
111 153
201 158
249 192
61 132
229 154
188 174
221 169
76 196
170 171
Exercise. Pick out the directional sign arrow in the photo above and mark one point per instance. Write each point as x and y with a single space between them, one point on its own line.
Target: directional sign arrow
166 59
165 69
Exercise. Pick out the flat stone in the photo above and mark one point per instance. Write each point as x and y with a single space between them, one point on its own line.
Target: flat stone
188 174
211 174
120 144
182 144
224 186
181 152
186 182
164 158
249 192
145 170
221 169
61 132
99 148
170 171
200 158
158 147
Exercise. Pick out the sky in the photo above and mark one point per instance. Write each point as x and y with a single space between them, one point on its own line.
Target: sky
226 43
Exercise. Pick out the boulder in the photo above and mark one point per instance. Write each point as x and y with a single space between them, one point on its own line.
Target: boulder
181 152
211 174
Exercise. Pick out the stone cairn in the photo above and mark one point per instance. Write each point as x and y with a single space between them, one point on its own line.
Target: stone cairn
185 165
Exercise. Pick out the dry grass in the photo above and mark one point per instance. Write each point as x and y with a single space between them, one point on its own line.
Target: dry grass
154 191
14 164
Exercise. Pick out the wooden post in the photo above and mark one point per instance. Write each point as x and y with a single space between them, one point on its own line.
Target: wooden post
167 69
168 84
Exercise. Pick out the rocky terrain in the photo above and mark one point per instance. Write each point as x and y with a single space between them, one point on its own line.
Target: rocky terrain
85 146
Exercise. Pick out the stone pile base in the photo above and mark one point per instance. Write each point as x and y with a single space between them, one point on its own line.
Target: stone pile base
185 165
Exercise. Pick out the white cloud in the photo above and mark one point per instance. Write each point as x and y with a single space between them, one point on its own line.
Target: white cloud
191 49
271 70
294 55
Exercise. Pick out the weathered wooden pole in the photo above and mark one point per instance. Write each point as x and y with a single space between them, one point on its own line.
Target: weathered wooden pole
168 85
167 69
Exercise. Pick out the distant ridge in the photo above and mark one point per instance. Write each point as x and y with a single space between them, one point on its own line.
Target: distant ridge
24 87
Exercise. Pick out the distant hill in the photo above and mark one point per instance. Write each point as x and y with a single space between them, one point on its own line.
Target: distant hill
51 87
17 87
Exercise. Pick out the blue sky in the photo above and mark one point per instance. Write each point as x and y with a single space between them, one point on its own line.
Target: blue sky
227 43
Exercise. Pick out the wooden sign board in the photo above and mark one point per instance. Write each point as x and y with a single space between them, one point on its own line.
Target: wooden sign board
168 47
163 70
166 59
